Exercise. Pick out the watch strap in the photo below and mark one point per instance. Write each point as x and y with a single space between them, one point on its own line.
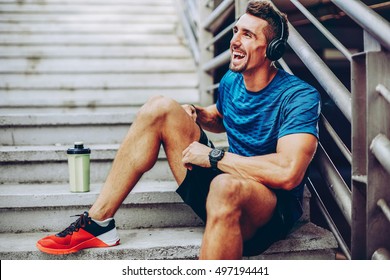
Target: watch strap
214 159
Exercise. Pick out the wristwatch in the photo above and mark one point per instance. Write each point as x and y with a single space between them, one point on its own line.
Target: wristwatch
215 155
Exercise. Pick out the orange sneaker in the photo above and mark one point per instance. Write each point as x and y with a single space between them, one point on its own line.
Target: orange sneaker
83 233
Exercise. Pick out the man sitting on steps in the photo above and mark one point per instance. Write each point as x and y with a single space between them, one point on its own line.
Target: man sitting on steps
248 197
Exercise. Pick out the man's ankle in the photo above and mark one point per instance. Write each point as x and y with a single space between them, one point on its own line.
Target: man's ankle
103 223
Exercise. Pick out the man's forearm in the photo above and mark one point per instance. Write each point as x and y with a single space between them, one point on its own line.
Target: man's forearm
210 119
272 170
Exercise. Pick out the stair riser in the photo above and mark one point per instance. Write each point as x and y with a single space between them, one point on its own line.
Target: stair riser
64 135
103 52
38 65
106 81
156 253
89 8
128 217
175 253
57 172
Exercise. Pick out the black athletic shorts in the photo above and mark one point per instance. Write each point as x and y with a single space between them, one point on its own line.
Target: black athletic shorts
194 191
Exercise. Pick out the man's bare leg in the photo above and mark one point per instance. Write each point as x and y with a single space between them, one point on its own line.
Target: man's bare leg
235 209
159 121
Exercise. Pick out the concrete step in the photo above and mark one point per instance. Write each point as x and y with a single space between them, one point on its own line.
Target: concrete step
95 66
142 7
50 207
128 40
61 128
306 242
90 2
48 164
88 28
98 81
92 54
104 52
26 102
150 204
55 18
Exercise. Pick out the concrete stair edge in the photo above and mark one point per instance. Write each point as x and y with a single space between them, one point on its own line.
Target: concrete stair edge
173 243
59 195
51 207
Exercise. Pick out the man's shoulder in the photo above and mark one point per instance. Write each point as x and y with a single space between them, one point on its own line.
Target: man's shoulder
292 81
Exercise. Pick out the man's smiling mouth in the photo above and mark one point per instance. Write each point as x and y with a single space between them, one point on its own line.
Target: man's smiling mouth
238 55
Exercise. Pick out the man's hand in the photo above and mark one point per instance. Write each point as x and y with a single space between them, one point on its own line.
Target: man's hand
190 109
196 154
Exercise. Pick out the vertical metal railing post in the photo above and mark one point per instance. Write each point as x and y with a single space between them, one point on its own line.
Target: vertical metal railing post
359 156
205 54
378 122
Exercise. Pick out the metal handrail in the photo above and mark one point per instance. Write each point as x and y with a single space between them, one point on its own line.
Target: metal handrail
329 221
189 28
385 208
377 26
380 147
217 61
340 144
331 84
336 184
323 30
382 90
220 35
216 14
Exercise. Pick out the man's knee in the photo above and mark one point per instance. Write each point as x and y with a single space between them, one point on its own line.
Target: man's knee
224 200
157 107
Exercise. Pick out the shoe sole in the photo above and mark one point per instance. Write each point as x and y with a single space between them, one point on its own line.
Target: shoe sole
91 243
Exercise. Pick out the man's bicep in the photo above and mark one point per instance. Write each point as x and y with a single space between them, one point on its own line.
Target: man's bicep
298 148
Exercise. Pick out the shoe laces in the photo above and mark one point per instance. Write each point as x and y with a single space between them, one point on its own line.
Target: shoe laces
81 222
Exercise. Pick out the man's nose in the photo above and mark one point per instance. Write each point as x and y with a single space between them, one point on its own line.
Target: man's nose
235 41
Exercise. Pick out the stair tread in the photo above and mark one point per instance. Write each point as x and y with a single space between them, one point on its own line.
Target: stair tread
70 118
18 102
137 243
167 52
96 66
57 152
58 195
165 243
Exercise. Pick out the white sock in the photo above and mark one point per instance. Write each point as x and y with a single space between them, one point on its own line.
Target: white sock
103 223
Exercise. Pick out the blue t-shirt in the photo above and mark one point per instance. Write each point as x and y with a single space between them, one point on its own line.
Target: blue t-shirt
254 121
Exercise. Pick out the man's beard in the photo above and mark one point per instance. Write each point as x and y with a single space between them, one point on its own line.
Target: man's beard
239 68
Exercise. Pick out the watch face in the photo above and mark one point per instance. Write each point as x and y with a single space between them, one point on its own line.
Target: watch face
216 153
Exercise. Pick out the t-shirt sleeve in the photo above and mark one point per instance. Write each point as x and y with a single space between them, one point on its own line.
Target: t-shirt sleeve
301 113
219 100
222 88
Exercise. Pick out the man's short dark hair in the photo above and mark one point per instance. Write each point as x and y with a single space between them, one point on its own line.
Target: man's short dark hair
265 10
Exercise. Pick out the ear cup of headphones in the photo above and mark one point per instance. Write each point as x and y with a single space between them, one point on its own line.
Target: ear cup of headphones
277 46
275 49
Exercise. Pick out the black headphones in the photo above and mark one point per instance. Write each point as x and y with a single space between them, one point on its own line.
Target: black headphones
277 46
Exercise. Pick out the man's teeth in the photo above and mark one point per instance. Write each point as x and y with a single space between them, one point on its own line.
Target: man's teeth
238 55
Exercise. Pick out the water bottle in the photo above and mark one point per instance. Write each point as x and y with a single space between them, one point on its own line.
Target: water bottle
79 167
